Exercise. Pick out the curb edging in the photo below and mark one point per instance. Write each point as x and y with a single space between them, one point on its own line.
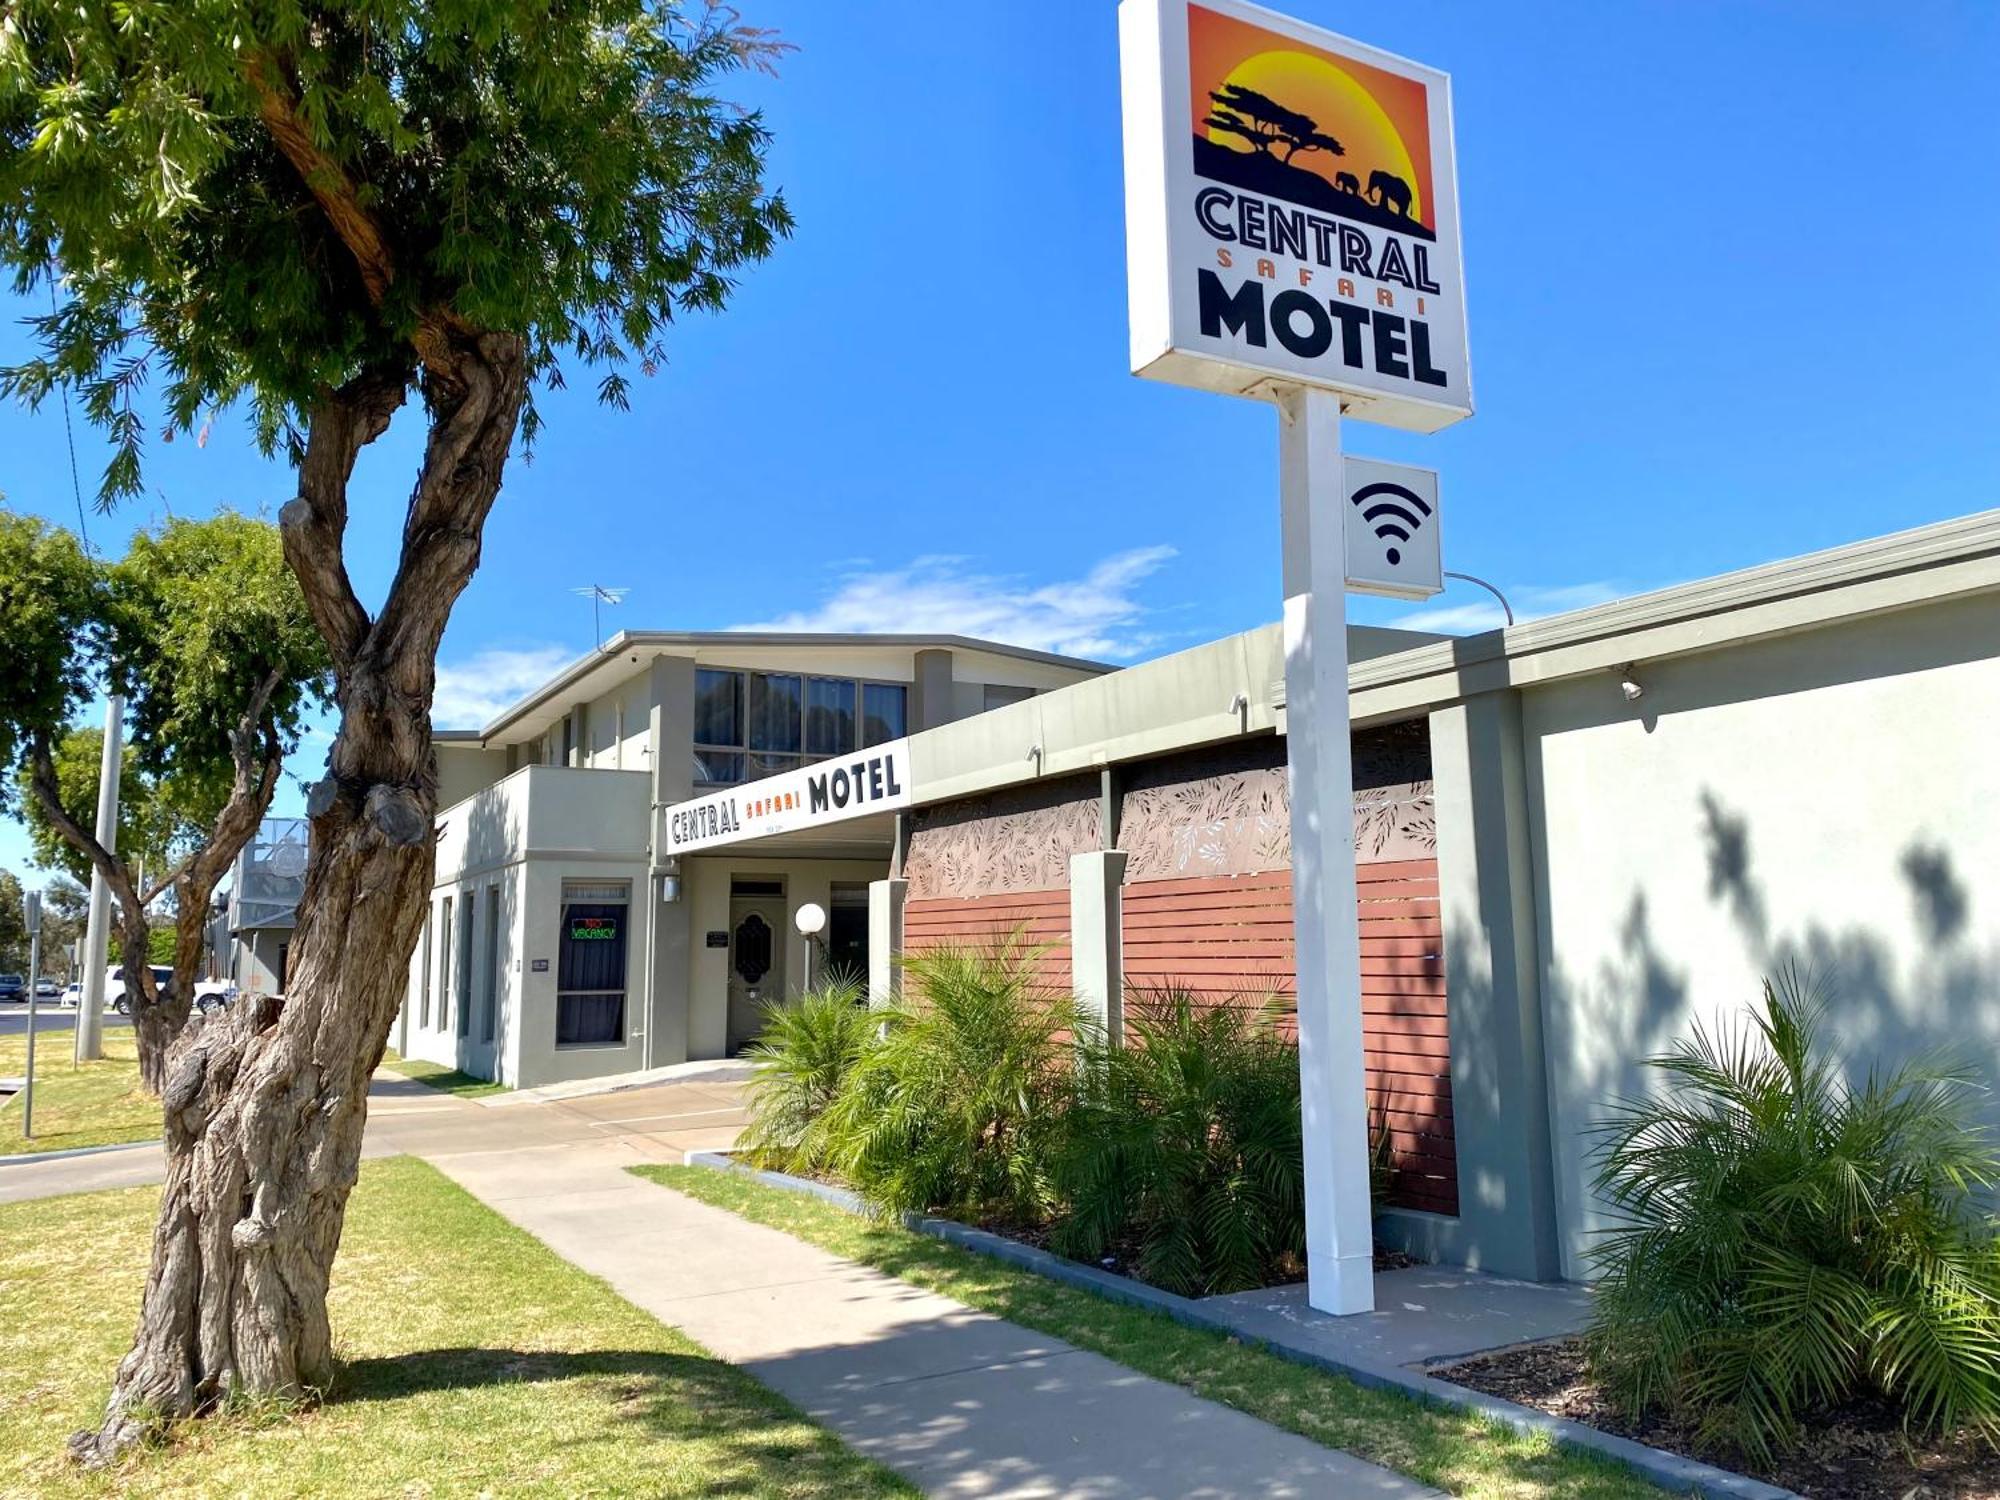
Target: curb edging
28 1158
1668 1470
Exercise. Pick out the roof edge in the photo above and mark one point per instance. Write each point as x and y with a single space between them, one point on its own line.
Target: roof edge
629 640
1966 539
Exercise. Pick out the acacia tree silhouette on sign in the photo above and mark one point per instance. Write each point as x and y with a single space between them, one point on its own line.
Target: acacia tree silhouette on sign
1265 123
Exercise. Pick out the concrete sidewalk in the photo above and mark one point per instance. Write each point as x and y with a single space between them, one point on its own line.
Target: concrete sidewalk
962 1403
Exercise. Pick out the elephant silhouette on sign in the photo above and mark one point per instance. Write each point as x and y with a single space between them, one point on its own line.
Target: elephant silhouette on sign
1386 189
1347 182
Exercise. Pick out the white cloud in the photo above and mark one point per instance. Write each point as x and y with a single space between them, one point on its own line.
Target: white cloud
1098 614
1482 611
471 692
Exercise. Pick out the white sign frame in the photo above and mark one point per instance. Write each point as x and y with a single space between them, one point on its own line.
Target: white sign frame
1168 248
1387 556
819 795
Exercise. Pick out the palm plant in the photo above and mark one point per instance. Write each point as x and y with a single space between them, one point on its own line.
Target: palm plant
1186 1143
955 1110
802 1059
1786 1239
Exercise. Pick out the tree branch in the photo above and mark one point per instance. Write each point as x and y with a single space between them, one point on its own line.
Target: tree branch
340 200
43 783
313 526
323 177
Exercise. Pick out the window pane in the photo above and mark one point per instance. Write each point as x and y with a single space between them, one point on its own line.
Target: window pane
770 765
490 998
774 712
718 707
829 715
589 1020
590 963
464 996
444 966
882 712
718 767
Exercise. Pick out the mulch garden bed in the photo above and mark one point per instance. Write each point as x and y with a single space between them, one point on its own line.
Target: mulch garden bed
1853 1451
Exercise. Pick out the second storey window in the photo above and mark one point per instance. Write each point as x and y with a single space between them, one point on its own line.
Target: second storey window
753 724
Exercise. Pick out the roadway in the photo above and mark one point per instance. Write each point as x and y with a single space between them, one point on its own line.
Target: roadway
49 1015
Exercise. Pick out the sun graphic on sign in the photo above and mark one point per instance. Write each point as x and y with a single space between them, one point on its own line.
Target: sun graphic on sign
1270 110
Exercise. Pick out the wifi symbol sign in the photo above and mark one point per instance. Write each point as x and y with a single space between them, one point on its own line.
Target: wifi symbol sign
1397 512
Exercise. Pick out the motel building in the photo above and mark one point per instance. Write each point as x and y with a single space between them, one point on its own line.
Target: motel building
1576 839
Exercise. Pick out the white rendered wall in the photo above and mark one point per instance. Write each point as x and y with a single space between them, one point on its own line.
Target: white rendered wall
1832 796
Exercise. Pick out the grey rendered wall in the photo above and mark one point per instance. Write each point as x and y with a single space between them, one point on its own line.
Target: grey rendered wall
1830 798
1506 1212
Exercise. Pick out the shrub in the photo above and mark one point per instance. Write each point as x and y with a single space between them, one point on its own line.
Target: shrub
955 1110
1186 1147
1786 1239
802 1058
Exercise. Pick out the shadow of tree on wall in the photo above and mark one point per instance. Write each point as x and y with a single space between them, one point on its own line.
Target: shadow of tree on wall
1943 903
1943 996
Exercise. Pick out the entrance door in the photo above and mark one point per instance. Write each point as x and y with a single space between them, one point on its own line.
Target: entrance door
756 956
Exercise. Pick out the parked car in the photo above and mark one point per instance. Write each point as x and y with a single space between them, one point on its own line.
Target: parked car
114 986
212 995
13 987
47 988
72 995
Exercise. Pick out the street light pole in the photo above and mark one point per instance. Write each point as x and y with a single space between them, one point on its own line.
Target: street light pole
90 1006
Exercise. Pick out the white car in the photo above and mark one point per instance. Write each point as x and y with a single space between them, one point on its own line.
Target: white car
209 994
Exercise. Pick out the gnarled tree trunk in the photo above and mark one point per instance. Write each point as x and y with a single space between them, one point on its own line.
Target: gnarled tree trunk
265 1107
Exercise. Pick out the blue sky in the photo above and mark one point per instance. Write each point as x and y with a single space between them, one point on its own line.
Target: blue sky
1728 269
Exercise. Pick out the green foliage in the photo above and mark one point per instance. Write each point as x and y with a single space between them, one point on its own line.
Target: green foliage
49 604
1786 1238
152 829
956 1110
13 926
205 624
1186 1144
803 1057
259 201
160 945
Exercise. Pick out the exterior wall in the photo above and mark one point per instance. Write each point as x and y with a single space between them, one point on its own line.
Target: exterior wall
704 984
605 748
1827 798
523 836
1040 919
1208 908
464 768
980 868
254 958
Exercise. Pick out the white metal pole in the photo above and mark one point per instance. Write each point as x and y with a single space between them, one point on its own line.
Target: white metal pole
1332 1069
90 1006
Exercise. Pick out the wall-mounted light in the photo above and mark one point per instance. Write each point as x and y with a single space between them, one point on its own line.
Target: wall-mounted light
670 882
1629 684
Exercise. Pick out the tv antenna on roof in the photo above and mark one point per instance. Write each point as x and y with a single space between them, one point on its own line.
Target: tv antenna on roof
599 595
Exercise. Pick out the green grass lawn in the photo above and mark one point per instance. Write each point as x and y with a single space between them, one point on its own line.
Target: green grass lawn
436 1075
1453 1451
97 1104
475 1362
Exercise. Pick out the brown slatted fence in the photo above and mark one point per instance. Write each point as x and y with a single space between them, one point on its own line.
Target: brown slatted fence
988 921
1230 937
